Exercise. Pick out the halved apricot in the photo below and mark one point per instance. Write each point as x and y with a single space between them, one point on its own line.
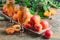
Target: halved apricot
17 28
10 30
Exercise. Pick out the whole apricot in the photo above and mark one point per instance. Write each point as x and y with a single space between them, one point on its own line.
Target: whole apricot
35 19
44 24
38 27
47 13
48 34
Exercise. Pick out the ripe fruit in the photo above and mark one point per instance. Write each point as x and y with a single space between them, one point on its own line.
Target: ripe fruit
35 19
5 9
48 34
44 24
15 17
5 12
27 15
10 30
26 21
47 13
28 26
53 12
38 27
17 28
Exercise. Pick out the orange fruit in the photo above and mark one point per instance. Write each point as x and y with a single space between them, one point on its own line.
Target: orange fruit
17 28
44 24
10 30
47 13
53 12
15 17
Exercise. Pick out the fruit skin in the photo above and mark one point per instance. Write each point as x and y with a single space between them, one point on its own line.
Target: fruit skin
5 12
47 13
35 19
52 11
44 24
28 26
17 28
5 9
38 27
10 30
26 21
15 17
27 15
48 34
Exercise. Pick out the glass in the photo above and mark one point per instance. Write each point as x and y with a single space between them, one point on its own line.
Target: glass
21 19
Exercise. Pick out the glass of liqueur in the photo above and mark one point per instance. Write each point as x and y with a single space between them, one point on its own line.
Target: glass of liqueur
10 8
21 18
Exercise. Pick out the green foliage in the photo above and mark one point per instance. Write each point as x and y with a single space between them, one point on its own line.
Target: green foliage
39 6
2 17
54 3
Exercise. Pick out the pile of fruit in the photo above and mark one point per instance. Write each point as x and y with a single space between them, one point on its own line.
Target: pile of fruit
23 15
13 29
36 24
49 13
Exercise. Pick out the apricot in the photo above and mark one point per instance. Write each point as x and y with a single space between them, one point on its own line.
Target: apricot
35 19
15 17
44 24
38 27
17 28
28 26
27 15
53 12
26 21
48 34
5 9
10 30
47 13
27 12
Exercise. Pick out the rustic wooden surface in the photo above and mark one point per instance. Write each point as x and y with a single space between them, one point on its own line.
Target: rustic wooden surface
55 22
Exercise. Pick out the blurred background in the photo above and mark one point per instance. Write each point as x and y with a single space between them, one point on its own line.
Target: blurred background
17 1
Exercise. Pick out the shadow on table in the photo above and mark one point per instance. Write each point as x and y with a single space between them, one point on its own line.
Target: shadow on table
27 33
31 33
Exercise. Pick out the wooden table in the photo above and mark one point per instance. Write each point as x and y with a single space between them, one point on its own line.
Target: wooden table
55 22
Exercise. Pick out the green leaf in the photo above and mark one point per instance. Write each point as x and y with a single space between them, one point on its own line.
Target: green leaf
2 18
41 13
45 7
54 3
32 12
